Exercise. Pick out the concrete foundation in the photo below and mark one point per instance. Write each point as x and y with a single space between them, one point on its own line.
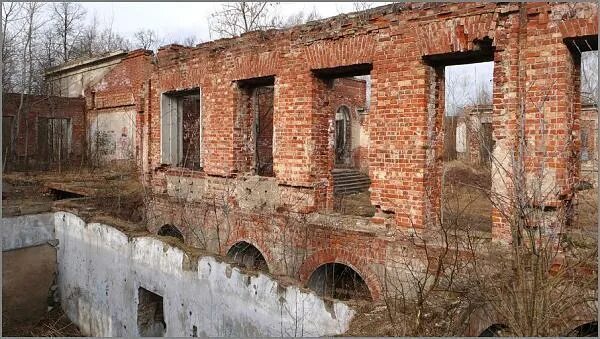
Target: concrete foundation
102 271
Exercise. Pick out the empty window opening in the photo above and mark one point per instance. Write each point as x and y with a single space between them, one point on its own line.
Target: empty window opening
150 316
338 281
181 129
588 154
344 93
171 231
586 330
248 256
468 146
256 125
54 139
495 330
585 52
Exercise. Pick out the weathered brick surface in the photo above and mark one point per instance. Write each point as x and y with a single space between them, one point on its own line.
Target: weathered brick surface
407 46
122 90
41 106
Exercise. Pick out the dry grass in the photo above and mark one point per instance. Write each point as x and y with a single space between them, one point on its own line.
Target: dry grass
467 205
54 324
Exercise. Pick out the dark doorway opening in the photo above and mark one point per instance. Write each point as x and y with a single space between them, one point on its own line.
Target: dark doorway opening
256 121
338 281
495 330
586 330
171 231
150 316
248 256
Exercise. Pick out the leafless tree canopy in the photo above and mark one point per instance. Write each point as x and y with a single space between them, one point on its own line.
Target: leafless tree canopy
67 23
146 39
301 17
235 18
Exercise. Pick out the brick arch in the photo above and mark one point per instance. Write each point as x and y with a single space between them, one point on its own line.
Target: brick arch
256 65
454 35
260 246
340 256
171 230
340 52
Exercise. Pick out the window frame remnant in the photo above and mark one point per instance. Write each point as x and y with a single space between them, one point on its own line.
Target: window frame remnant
172 132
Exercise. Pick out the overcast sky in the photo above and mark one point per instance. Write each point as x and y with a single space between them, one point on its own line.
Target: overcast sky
178 20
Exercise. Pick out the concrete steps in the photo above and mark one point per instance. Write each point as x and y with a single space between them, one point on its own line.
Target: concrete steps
349 181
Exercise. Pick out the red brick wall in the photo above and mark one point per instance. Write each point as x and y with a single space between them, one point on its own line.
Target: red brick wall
407 46
122 89
37 106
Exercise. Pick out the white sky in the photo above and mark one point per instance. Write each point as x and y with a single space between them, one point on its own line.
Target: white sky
177 20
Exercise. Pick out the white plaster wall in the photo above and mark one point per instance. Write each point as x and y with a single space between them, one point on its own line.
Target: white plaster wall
26 230
119 128
100 270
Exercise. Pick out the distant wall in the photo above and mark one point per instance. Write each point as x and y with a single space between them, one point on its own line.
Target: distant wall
26 230
28 268
102 270
35 137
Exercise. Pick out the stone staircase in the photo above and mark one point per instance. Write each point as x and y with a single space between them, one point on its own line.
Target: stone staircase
349 181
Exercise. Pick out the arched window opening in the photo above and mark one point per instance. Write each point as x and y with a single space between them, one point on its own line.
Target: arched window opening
586 330
339 281
170 231
342 136
495 330
248 256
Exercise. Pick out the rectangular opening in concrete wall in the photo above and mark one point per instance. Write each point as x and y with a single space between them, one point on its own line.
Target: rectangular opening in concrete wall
467 146
150 314
343 97
255 124
181 128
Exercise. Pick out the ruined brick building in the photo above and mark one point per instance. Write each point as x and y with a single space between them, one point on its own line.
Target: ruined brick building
240 139
51 129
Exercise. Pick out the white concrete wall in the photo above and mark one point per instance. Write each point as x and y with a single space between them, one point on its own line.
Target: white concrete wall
117 132
26 230
100 270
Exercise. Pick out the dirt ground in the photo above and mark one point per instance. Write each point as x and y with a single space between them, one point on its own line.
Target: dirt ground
113 194
116 193
466 203
24 298
358 204
54 324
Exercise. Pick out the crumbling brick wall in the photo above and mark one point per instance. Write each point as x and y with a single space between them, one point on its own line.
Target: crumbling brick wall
30 142
404 48
113 105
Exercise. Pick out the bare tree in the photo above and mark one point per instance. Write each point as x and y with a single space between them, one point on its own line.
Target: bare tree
146 39
190 41
235 18
300 18
11 16
32 24
362 5
67 22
